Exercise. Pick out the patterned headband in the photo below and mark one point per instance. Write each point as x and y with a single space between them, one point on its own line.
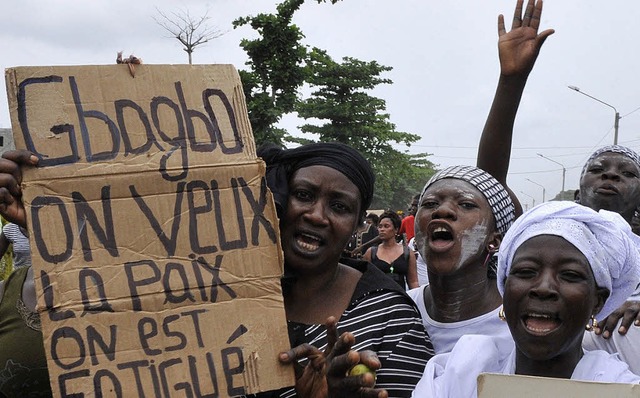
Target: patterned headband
499 200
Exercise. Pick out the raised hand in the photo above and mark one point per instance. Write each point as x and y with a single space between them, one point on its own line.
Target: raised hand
520 47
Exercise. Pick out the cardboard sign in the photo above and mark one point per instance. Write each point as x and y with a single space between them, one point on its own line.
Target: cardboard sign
508 386
154 239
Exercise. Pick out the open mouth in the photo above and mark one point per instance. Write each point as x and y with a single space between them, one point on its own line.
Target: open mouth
308 242
440 238
541 324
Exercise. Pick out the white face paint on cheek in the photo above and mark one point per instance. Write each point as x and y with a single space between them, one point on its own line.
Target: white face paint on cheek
471 242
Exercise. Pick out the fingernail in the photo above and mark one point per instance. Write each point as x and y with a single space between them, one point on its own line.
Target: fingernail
284 356
33 159
622 330
605 334
637 322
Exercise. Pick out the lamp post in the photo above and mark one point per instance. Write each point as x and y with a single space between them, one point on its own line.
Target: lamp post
617 114
533 201
564 170
541 186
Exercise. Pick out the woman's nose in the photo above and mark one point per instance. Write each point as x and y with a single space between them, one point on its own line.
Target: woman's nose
444 210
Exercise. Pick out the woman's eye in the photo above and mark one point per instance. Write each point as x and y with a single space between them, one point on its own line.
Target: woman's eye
340 207
572 276
595 169
523 272
302 195
629 174
429 204
468 205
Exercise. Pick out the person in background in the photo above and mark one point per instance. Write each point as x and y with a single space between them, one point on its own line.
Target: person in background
394 259
13 234
364 237
561 266
421 266
406 230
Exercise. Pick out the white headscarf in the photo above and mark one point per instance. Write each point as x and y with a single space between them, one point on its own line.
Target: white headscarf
604 237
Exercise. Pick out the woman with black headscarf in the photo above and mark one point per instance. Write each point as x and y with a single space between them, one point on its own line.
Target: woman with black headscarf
322 192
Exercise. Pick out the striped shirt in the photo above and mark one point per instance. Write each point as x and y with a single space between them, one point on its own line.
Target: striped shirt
21 249
385 320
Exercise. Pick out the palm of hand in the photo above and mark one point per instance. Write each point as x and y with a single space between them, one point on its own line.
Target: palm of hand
518 51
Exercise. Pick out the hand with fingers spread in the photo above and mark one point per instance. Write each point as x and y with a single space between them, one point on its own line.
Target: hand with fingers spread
326 373
11 163
520 47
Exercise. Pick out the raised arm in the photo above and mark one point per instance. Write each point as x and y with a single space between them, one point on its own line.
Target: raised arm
518 50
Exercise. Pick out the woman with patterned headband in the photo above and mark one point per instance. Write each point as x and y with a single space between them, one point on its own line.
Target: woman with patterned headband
462 215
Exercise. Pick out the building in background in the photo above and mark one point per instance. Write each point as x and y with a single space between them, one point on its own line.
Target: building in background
6 140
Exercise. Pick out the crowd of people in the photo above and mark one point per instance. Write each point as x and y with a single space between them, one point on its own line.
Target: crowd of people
465 284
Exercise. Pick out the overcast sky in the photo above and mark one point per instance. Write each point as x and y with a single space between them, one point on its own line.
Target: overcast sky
444 55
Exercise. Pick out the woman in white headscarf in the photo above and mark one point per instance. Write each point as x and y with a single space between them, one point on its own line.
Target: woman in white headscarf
561 266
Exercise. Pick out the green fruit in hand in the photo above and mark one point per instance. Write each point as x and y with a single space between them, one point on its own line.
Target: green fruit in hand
361 369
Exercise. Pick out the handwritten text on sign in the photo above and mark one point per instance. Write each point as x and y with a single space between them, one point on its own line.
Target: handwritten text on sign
154 238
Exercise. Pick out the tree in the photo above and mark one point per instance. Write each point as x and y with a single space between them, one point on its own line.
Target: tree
568 194
276 62
358 119
191 32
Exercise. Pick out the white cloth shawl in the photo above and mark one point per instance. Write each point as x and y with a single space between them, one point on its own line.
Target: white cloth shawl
455 374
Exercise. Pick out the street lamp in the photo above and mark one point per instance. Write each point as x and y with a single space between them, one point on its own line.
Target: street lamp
564 170
533 201
541 186
617 115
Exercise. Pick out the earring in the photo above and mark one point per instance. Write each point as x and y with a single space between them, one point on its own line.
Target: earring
593 323
491 250
501 315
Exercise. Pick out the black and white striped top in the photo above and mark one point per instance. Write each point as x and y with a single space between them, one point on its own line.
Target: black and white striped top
21 250
385 320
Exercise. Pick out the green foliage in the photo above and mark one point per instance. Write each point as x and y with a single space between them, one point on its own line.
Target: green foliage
569 194
358 119
279 64
276 62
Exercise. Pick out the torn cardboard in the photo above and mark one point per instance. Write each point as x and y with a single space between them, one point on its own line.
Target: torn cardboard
154 239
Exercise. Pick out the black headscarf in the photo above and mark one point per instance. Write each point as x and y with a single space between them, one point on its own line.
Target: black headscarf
282 163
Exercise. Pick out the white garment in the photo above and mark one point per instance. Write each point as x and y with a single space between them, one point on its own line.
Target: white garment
627 346
445 335
455 374
423 277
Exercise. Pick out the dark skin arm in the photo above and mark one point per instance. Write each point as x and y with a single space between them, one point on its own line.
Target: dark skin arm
518 50
326 372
